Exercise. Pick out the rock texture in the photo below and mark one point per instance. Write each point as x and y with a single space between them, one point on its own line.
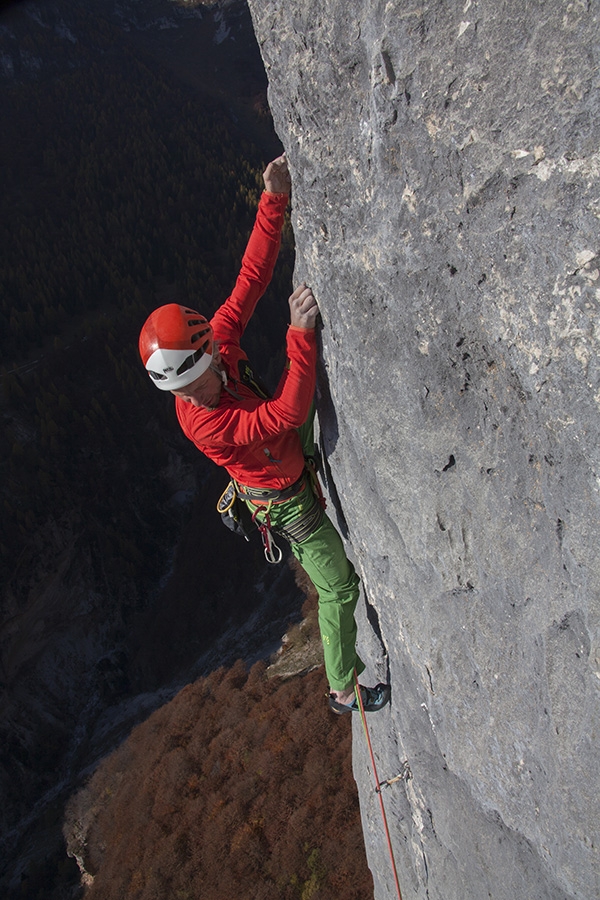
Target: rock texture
446 203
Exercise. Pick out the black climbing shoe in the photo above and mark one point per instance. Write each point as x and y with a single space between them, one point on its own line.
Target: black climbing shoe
373 700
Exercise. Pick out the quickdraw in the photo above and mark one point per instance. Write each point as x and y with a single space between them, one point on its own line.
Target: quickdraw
273 553
404 775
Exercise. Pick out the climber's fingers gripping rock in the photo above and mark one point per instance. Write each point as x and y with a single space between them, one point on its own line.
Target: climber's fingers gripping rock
303 308
277 176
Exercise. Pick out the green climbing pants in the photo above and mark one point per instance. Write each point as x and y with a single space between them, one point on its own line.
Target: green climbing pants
324 560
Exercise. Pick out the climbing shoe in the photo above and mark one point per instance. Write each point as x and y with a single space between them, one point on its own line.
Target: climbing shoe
373 699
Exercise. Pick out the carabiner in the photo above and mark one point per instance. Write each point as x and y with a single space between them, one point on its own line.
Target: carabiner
270 546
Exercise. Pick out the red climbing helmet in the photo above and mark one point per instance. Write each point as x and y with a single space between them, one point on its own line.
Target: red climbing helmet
176 346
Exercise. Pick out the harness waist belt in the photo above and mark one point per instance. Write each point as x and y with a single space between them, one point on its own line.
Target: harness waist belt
270 495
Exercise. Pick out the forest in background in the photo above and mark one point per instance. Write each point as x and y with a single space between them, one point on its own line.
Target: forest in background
126 187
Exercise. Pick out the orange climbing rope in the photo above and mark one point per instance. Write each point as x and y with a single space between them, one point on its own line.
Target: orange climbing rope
377 782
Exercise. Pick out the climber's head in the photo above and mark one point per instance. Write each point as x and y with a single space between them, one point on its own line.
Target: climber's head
176 346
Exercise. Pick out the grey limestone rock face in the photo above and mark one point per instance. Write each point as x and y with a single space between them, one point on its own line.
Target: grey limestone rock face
446 211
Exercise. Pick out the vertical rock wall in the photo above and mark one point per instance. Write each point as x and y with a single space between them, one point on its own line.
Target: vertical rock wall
446 203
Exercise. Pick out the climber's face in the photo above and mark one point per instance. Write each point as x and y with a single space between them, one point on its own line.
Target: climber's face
204 391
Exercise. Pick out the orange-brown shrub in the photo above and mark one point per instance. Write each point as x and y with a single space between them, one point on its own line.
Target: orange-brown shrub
240 786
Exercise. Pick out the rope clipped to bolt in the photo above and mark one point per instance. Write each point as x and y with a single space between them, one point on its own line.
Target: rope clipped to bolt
386 829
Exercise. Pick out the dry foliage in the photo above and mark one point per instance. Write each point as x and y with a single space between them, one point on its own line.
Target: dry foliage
241 786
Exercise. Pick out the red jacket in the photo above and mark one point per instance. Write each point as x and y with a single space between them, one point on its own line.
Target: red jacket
256 440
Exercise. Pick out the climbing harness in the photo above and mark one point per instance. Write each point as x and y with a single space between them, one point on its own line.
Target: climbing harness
238 518
378 784
300 528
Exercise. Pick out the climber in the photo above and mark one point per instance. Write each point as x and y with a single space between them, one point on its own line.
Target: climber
262 441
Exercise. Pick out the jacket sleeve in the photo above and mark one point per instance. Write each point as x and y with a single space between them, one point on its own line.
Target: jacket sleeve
238 426
258 263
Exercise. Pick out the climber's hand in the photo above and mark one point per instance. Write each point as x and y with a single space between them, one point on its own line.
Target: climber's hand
277 176
303 308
